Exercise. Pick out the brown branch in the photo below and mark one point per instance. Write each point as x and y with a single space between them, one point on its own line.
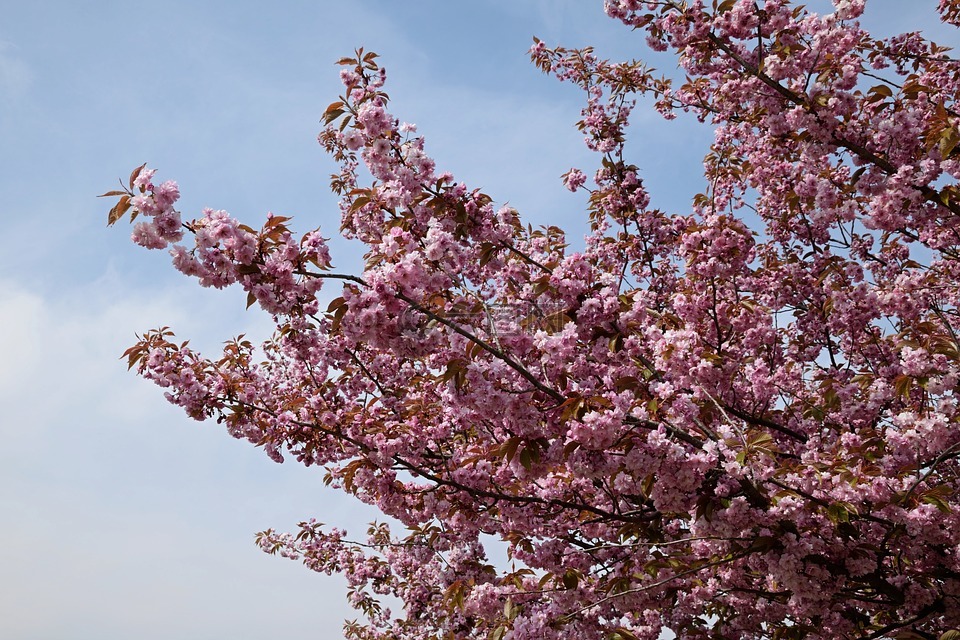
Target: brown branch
859 150
513 364
763 422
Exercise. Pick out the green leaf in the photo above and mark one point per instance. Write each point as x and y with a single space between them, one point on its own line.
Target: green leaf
949 139
509 448
330 116
526 458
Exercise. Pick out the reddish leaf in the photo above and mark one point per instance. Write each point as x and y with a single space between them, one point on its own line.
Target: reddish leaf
135 174
118 210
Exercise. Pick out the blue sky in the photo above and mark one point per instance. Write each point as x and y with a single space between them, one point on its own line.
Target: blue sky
120 517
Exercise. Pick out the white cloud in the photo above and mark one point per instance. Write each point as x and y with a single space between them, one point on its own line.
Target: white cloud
15 75
122 518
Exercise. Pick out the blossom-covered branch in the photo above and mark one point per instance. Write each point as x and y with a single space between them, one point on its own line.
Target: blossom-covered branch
734 421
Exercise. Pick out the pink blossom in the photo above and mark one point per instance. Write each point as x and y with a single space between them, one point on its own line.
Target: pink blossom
574 179
166 194
737 420
147 235
143 179
353 139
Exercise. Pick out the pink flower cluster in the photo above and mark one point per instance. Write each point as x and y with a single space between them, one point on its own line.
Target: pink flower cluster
272 266
735 421
156 203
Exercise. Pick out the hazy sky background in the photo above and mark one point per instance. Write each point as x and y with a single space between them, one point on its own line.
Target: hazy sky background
119 517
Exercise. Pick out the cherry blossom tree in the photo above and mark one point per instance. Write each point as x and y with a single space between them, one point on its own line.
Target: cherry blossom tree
723 429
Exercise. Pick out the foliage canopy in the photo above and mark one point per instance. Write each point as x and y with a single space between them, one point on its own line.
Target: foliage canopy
692 424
